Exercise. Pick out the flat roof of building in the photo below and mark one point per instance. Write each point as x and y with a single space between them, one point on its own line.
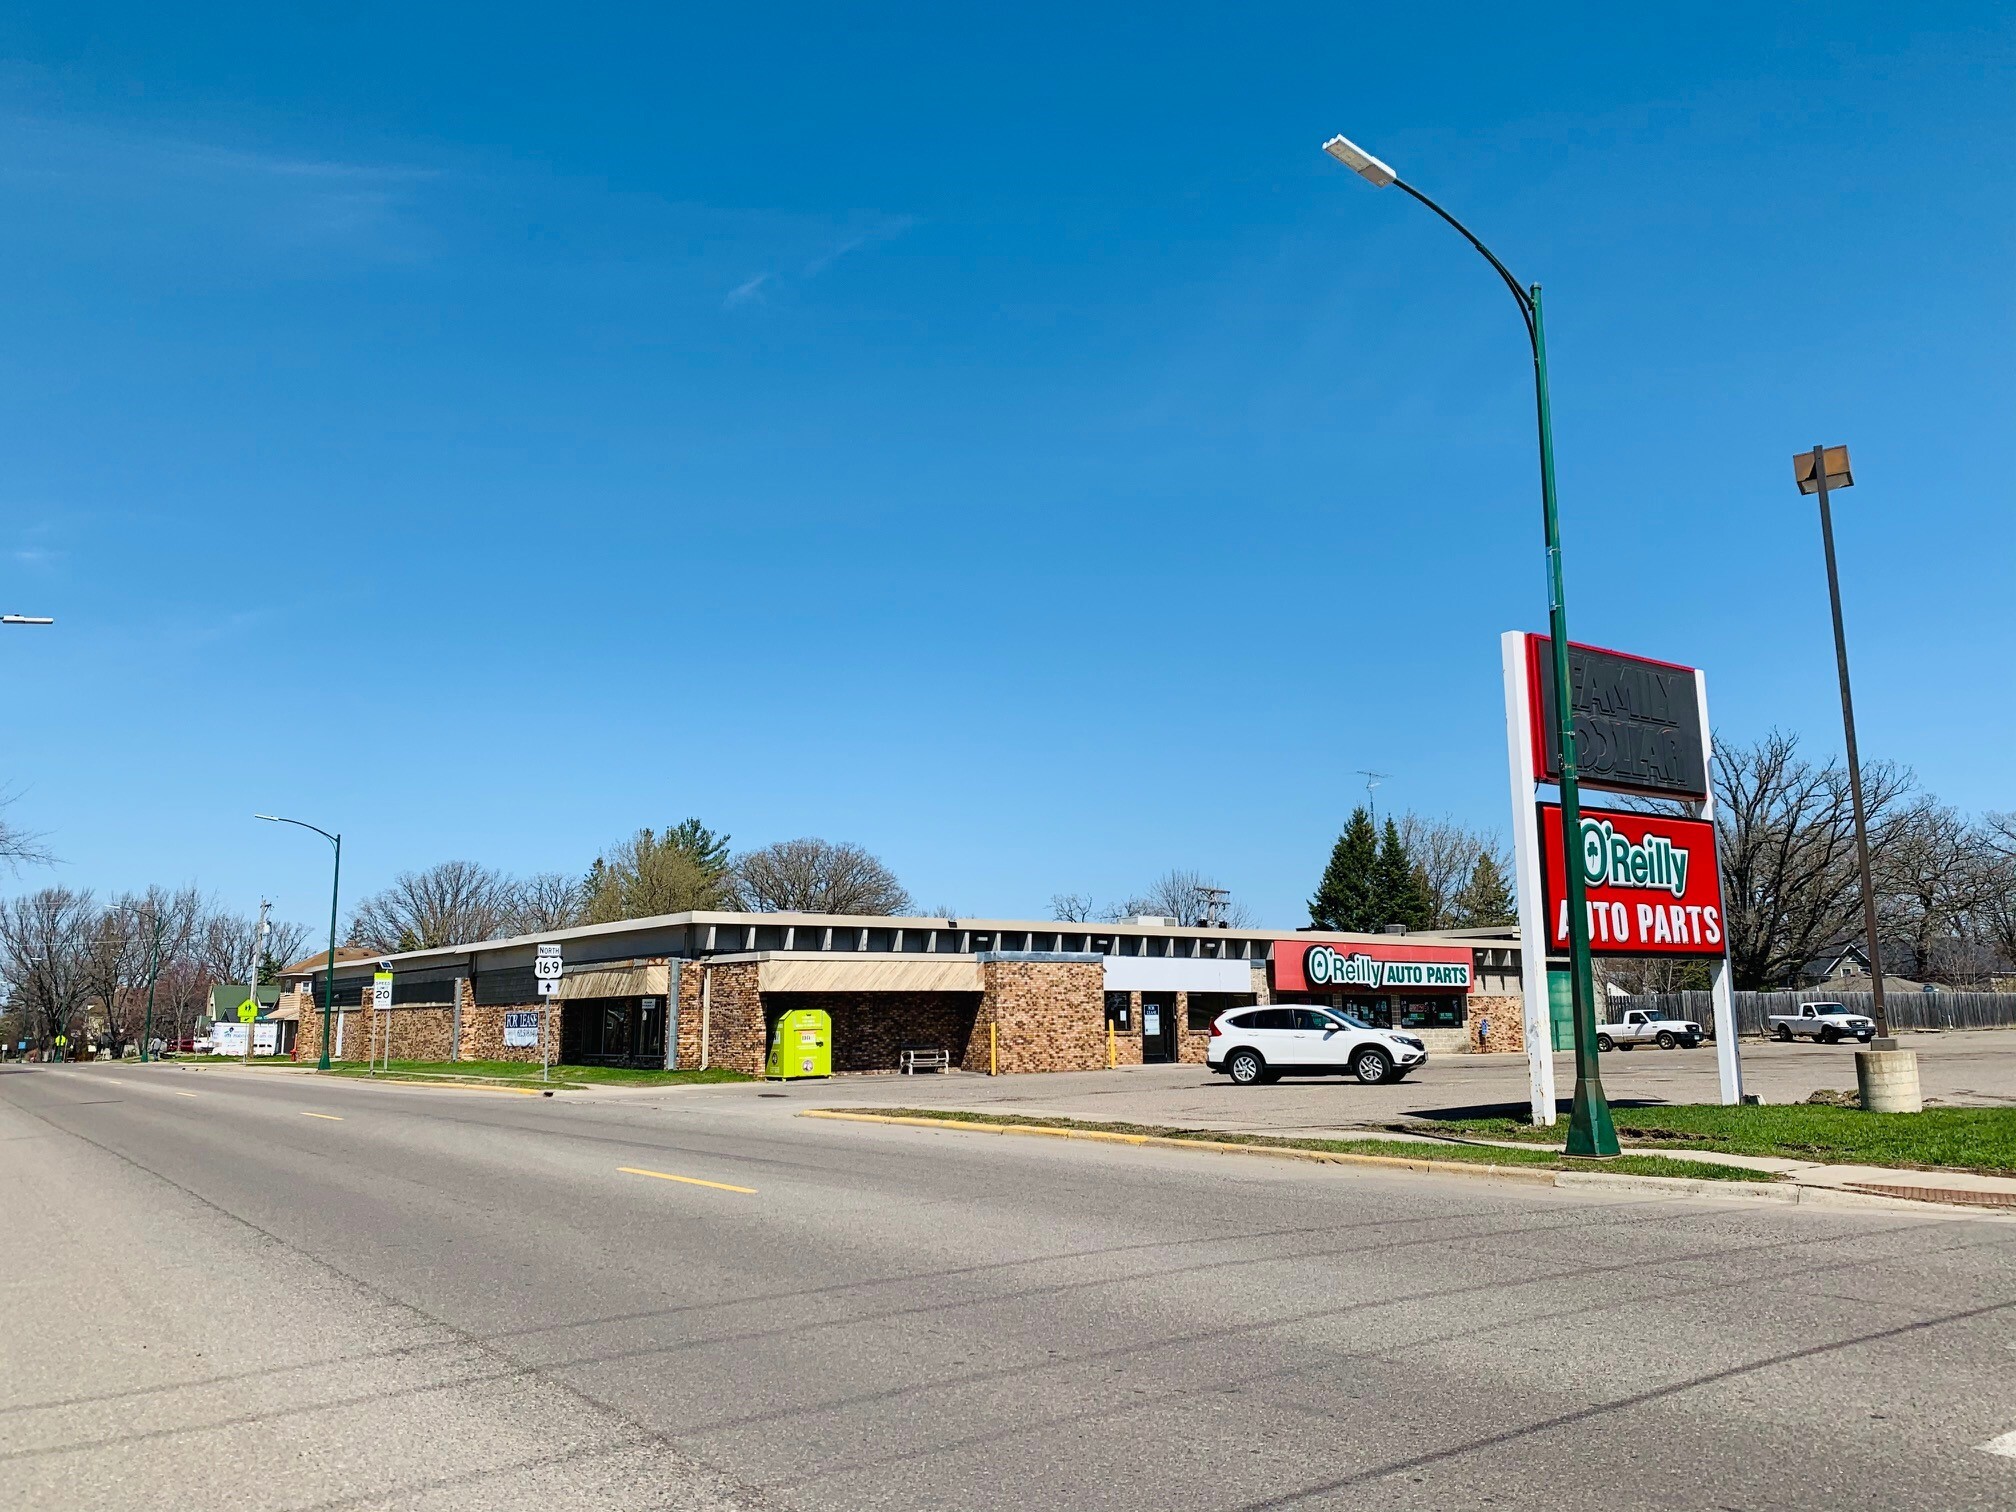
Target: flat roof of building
709 933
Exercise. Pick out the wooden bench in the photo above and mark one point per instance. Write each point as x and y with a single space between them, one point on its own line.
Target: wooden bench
911 1059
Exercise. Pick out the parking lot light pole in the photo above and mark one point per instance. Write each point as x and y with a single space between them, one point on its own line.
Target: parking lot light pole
335 887
1816 471
1590 1130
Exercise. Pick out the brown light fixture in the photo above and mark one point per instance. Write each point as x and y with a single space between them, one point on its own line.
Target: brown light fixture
1838 475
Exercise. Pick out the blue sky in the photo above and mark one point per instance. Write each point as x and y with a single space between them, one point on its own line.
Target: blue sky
995 436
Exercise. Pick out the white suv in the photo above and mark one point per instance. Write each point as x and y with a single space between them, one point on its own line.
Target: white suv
1253 1045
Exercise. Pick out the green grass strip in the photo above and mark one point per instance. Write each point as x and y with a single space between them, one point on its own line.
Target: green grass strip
1981 1140
1402 1149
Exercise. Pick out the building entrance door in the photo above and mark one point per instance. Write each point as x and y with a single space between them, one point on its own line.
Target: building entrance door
1158 1027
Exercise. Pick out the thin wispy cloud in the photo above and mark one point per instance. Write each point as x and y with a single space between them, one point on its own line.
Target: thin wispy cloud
877 231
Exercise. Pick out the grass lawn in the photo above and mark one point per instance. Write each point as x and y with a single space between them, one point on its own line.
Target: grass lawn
573 1076
1404 1149
1961 1139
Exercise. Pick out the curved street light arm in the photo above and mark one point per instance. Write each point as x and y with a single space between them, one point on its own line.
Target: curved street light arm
1525 301
278 819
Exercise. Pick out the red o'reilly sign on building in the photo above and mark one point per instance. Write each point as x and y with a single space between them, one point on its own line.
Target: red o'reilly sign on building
1654 886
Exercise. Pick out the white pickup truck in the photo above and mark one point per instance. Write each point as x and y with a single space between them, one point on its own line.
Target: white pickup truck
1825 1022
1642 1026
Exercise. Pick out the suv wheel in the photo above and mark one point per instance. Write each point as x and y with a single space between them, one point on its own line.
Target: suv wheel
1666 1040
1604 1042
1372 1066
1246 1068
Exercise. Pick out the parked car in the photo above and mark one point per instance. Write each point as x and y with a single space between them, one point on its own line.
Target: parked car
1643 1026
1253 1045
1825 1022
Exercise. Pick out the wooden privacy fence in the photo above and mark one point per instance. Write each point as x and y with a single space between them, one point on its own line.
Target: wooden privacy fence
1907 1010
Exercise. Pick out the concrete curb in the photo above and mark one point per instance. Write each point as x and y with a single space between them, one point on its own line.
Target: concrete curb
1104 1136
1784 1193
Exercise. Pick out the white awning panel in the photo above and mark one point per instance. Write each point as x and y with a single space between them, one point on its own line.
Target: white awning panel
1177 974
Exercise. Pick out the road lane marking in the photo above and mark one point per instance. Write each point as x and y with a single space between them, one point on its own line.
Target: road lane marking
719 1186
332 1117
185 1094
2005 1445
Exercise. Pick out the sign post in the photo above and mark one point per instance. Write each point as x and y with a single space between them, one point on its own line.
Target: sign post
1651 881
546 969
381 1002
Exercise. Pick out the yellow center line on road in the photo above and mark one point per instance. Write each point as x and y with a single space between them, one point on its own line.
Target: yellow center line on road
332 1117
719 1186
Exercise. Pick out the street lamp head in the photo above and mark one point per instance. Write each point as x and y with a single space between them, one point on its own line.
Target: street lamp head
1360 162
26 619
269 818
1838 475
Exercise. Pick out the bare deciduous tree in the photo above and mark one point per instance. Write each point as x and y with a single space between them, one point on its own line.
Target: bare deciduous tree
549 900
1445 852
1787 840
1187 897
453 903
817 876
45 943
1073 908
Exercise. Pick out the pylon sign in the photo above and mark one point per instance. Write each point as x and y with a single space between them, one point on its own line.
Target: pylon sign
1654 885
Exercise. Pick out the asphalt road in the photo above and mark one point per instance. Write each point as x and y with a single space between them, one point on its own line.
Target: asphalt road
233 1289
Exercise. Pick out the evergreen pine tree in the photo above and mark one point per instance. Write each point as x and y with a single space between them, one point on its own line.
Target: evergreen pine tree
1486 898
1344 897
1399 893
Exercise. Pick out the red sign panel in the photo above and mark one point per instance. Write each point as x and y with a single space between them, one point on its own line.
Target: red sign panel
1398 965
1654 887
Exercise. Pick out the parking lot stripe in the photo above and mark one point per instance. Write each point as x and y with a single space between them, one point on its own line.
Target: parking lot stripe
2005 1445
332 1117
719 1186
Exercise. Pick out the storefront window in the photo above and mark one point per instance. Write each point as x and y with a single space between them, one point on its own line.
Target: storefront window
1120 1011
1206 1006
1375 1011
1432 1012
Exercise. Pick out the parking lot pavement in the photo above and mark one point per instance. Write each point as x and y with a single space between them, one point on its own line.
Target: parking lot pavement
1967 1067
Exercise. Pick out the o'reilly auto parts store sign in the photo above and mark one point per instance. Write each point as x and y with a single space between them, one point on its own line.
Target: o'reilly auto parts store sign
1305 966
1654 888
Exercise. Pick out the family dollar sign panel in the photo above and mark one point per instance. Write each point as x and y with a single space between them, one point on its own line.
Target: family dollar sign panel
1654 887
1637 721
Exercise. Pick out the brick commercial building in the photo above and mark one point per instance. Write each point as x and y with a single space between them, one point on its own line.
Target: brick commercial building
706 989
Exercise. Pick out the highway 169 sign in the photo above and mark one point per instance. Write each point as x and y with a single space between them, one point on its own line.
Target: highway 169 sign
1654 886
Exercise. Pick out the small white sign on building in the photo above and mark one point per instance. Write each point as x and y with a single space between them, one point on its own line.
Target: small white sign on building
521 1028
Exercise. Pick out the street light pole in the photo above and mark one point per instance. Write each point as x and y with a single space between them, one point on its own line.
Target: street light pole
1590 1130
1821 459
335 889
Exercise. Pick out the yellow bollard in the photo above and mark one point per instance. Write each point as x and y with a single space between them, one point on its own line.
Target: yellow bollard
1112 1052
993 1050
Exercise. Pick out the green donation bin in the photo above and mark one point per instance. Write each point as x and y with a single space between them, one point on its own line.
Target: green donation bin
801 1044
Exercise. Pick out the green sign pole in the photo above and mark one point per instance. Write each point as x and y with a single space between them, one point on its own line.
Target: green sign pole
1590 1130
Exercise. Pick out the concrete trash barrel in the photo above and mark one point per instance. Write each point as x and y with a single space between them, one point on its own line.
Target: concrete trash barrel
1888 1081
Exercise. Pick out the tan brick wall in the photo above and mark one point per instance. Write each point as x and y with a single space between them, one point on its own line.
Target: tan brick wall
728 1016
1050 1016
1507 1022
